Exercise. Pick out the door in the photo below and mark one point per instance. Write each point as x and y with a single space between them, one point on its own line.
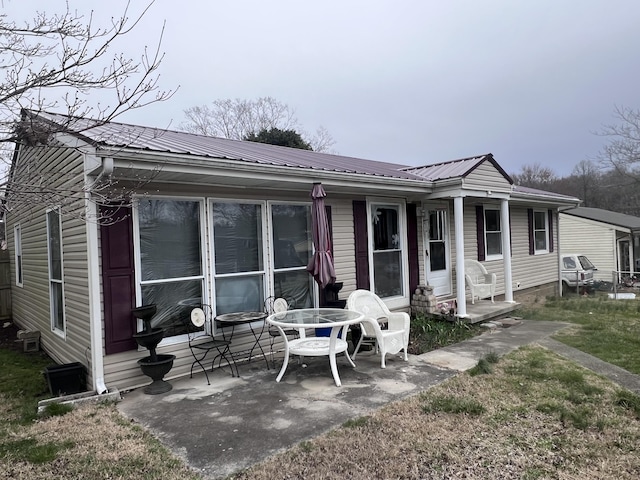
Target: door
437 261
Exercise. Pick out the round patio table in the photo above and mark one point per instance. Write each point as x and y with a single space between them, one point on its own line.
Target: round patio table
330 346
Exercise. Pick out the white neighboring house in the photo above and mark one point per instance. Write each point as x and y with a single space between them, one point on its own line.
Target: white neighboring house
609 239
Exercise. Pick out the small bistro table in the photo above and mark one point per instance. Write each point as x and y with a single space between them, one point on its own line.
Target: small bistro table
236 319
302 319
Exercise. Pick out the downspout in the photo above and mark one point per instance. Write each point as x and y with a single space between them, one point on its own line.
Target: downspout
95 303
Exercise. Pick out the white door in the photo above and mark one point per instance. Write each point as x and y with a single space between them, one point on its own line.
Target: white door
437 261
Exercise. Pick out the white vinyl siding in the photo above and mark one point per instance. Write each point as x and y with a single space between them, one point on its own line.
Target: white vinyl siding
30 304
596 240
487 177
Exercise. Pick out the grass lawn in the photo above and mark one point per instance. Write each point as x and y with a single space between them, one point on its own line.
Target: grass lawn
605 328
528 415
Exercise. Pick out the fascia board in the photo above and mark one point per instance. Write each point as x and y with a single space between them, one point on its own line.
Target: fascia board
282 175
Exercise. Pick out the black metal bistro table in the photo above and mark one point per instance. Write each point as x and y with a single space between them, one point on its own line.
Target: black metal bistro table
228 323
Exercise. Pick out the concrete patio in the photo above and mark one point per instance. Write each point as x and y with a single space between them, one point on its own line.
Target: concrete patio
237 422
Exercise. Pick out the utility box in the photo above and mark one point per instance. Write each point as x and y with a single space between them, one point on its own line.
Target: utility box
30 340
66 379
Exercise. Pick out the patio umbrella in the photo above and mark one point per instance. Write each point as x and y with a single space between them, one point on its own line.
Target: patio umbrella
321 263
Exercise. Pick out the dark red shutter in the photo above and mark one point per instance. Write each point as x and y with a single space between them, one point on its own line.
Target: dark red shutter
412 239
480 232
118 282
361 243
550 215
532 241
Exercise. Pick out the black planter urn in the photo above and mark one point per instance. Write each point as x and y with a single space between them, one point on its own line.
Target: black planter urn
154 366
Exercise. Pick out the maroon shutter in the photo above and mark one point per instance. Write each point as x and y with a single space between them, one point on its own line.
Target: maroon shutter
532 244
412 239
361 243
480 232
118 280
550 215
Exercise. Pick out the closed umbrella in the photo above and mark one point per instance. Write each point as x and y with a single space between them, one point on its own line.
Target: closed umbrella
321 263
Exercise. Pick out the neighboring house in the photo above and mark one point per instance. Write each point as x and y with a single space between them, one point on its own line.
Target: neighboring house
609 239
228 222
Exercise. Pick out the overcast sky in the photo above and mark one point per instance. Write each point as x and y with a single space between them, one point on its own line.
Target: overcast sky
413 82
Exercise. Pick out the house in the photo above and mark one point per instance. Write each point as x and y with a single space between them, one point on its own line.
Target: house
129 216
611 240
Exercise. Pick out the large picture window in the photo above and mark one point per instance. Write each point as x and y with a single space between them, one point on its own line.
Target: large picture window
292 250
171 266
492 232
238 256
56 284
387 253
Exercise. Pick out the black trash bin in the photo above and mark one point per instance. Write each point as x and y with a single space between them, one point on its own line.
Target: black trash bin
66 379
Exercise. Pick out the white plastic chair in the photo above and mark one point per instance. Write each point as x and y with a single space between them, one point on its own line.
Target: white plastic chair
481 283
391 340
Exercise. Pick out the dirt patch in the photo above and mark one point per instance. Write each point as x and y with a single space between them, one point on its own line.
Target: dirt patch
9 336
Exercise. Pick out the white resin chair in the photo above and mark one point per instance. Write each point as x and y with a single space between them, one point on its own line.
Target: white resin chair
276 305
481 283
391 340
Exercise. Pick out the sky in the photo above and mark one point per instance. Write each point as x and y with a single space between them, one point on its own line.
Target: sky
414 82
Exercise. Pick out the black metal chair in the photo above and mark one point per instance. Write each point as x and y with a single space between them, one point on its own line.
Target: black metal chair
275 305
202 341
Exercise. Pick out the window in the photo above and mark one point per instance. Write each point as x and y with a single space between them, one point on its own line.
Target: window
492 232
56 286
17 238
388 250
170 255
238 253
540 231
292 250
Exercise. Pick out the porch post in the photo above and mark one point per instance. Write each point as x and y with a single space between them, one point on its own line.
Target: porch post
506 250
458 215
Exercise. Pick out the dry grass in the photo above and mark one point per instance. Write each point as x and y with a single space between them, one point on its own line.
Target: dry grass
91 442
543 418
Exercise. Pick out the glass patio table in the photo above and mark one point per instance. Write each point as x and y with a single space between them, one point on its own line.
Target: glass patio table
330 346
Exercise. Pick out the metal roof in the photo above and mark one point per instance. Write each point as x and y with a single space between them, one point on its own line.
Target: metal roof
605 216
138 138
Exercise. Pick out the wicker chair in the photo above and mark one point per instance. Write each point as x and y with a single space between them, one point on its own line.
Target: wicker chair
391 340
481 283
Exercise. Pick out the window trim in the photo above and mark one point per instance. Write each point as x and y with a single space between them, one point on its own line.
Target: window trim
397 301
54 328
487 255
541 251
19 256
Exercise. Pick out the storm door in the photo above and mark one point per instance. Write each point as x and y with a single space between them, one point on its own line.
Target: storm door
437 260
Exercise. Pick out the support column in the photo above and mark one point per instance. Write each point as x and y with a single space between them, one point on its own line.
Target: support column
506 250
458 215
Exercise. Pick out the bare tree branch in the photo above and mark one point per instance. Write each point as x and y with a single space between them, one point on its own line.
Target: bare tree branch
239 119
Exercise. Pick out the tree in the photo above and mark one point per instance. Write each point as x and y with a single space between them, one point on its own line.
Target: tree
622 153
534 176
284 138
61 62
238 119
